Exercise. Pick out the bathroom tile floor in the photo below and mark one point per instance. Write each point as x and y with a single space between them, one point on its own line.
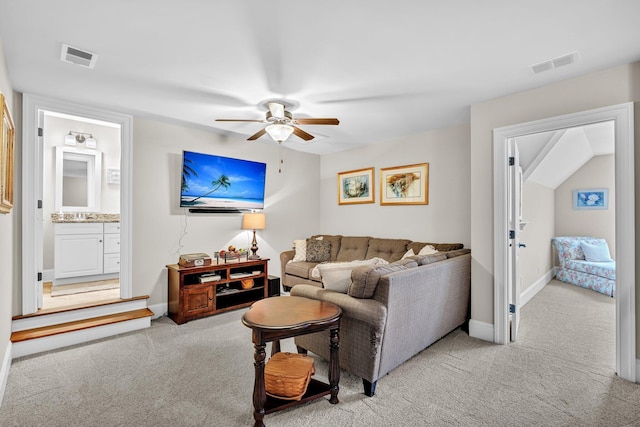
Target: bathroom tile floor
49 302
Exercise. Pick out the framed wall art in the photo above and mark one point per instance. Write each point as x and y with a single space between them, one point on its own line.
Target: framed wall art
596 198
7 153
405 185
356 187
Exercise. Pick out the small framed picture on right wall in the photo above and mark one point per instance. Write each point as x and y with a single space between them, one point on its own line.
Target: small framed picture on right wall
593 198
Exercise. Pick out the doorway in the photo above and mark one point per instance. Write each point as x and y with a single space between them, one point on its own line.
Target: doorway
33 216
74 186
622 116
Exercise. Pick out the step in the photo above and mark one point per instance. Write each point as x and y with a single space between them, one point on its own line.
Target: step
36 340
68 314
30 334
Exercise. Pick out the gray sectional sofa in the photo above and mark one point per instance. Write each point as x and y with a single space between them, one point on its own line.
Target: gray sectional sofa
392 310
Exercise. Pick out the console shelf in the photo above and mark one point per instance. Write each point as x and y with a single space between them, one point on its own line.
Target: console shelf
189 299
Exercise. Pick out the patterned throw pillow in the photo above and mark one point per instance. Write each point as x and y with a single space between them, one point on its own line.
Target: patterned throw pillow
318 250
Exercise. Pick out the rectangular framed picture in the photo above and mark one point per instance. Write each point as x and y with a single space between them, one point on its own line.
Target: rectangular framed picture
405 185
356 187
595 198
7 153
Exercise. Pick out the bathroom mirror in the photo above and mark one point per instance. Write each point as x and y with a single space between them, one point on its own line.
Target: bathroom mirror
78 180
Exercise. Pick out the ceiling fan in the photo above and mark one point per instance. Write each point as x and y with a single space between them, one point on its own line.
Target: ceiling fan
282 124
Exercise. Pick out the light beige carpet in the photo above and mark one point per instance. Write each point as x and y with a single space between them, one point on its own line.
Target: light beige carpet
79 288
560 373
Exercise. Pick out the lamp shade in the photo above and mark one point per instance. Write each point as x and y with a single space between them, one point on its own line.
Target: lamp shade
279 132
254 221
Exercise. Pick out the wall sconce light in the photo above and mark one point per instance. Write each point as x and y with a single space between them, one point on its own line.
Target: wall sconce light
254 221
74 138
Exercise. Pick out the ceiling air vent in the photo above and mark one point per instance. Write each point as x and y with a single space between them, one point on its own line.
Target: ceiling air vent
79 57
560 61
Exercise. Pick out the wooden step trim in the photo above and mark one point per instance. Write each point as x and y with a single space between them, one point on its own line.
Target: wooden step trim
79 307
78 325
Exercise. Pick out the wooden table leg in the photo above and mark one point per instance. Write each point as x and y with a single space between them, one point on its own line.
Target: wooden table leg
275 347
334 365
259 391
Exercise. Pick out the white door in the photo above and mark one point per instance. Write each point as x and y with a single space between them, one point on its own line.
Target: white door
514 219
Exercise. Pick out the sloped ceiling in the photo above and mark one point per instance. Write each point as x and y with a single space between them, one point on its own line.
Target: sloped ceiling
384 69
550 158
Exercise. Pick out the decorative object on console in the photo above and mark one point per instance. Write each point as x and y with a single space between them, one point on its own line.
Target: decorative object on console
597 198
254 221
194 260
356 187
405 185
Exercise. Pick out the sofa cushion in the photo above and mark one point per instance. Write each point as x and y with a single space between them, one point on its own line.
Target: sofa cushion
364 280
318 250
428 259
440 247
457 252
300 246
407 262
389 249
335 243
337 276
299 269
598 252
352 248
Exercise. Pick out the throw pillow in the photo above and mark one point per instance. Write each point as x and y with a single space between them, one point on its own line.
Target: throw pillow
335 279
598 252
427 250
318 250
408 254
301 250
364 280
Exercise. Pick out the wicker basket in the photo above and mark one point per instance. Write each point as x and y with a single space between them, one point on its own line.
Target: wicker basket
287 375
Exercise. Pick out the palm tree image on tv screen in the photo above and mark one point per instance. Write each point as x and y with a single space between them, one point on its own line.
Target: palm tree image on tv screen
210 181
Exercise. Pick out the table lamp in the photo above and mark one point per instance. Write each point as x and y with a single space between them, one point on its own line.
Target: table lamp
254 221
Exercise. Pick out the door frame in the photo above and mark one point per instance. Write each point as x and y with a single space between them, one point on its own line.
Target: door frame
31 149
622 115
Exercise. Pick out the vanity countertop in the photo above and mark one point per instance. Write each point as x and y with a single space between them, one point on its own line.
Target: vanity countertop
84 217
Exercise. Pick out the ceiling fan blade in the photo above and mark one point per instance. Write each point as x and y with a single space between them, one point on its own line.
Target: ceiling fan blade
257 134
312 121
302 134
238 120
276 109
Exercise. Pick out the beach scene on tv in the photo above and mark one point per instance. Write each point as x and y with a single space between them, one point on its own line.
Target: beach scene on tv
210 181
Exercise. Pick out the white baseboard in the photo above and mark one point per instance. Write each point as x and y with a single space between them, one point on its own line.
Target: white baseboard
159 310
481 330
537 286
48 275
4 371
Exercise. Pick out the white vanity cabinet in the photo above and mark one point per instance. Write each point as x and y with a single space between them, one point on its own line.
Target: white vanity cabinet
111 247
86 249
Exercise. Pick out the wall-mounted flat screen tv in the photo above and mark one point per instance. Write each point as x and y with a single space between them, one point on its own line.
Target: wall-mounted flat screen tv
213 183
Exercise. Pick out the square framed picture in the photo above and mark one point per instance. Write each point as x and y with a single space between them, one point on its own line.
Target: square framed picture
405 185
594 198
356 187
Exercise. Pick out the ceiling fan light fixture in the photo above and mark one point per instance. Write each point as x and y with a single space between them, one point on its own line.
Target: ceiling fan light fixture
279 132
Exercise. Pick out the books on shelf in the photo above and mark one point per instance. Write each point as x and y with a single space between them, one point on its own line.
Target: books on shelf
209 277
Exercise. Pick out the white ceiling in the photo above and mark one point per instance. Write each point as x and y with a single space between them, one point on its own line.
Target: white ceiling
385 69
550 158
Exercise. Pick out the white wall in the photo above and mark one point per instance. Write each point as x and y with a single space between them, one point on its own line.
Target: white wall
55 129
292 206
9 234
599 172
605 88
447 216
537 209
